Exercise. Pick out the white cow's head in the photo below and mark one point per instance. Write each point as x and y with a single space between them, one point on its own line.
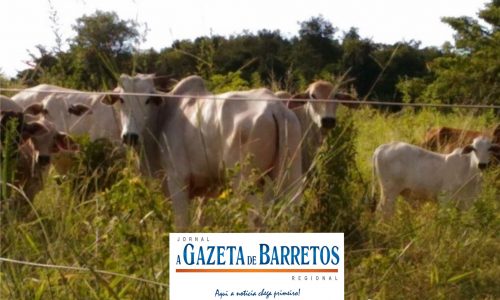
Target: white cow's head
135 110
481 150
322 113
55 109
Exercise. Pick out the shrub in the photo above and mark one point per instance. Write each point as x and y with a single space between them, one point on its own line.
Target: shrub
95 167
333 198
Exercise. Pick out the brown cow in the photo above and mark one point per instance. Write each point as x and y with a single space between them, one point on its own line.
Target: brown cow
35 139
445 139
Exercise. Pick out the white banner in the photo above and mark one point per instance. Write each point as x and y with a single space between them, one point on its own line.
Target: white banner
307 266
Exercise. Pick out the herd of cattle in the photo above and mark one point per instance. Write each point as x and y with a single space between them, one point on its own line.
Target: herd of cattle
188 136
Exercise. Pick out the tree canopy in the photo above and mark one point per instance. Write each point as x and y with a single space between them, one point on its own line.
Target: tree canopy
466 72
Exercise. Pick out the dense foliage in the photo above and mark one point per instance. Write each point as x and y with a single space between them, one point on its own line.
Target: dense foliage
263 58
466 72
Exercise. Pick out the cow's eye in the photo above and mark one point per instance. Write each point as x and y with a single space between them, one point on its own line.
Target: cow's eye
313 96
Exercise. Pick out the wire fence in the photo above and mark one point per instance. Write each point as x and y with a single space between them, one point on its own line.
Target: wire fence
218 97
80 269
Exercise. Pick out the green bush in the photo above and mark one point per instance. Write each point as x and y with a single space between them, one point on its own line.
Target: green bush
95 167
333 199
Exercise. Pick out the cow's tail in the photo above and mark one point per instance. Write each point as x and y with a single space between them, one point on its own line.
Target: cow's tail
373 198
288 161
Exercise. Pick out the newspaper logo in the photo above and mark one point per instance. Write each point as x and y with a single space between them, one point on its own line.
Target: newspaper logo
256 266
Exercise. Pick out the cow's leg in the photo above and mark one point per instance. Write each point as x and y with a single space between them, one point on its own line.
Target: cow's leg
465 199
235 155
177 186
180 201
176 177
387 202
250 153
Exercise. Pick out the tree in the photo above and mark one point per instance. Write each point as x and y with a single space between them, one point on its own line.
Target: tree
263 55
470 70
40 64
398 61
101 49
357 60
104 46
315 50
105 32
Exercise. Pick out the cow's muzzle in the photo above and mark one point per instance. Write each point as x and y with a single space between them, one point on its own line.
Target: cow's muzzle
482 166
328 122
43 160
131 139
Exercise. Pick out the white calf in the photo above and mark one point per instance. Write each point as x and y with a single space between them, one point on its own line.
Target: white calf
414 172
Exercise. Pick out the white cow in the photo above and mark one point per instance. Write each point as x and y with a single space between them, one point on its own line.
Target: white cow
316 117
191 140
37 140
71 111
414 172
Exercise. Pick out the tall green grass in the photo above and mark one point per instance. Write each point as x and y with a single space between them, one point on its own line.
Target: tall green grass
433 251
121 228
8 156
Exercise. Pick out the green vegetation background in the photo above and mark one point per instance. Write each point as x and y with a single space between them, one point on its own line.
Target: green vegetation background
106 216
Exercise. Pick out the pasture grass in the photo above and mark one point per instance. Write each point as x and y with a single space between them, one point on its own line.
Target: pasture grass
432 251
8 155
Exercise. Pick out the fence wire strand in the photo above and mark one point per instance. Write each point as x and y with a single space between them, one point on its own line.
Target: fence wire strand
80 269
216 97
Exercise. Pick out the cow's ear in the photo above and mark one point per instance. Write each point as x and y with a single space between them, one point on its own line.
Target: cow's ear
35 109
110 99
79 109
343 96
156 100
468 149
297 103
495 148
34 129
64 142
